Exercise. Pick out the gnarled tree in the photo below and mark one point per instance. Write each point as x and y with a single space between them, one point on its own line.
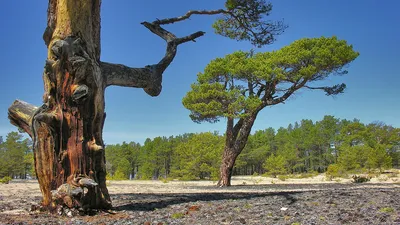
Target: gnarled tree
67 129
238 86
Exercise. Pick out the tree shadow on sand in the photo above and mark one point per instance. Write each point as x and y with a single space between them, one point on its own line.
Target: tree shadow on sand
150 202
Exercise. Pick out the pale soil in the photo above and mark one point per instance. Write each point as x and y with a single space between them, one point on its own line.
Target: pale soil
251 200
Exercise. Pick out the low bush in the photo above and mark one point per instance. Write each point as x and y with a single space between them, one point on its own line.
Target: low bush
283 177
360 179
5 180
335 170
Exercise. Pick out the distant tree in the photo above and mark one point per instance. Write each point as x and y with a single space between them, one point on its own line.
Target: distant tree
238 86
15 154
259 146
122 160
327 129
155 158
383 139
198 157
275 165
366 146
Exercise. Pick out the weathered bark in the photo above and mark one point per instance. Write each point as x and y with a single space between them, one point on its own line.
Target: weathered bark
67 129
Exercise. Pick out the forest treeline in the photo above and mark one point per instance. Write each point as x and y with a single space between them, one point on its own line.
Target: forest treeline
16 157
302 147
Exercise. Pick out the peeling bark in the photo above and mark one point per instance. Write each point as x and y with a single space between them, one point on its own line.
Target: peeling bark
67 129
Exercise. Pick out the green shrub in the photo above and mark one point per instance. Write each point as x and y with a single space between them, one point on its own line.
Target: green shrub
335 170
187 177
309 174
5 180
177 215
166 180
386 210
119 175
275 165
283 177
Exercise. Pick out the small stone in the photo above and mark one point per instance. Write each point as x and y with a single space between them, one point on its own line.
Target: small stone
284 209
69 213
60 210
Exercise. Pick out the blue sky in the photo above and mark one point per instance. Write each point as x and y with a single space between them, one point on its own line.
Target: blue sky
371 26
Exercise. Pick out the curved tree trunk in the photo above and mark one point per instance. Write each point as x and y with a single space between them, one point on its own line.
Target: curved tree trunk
236 139
228 161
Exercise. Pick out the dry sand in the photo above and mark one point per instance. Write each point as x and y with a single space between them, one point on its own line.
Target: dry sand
239 183
256 199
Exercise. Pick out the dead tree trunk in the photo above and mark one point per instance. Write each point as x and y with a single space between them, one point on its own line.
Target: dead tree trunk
67 129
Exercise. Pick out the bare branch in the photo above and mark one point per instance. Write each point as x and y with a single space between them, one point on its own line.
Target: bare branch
296 86
150 77
188 14
121 75
20 114
159 31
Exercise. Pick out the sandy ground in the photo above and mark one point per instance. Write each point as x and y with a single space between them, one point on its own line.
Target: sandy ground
139 202
239 184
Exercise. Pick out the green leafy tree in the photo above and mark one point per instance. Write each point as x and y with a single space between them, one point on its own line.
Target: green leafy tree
238 86
379 158
385 139
365 147
198 157
14 156
259 146
275 165
244 14
327 130
156 157
122 160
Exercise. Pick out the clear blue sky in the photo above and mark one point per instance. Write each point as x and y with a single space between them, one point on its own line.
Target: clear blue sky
373 80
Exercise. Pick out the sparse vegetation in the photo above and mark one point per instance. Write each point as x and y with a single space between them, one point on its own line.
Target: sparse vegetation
283 177
386 210
177 215
335 171
360 179
5 180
